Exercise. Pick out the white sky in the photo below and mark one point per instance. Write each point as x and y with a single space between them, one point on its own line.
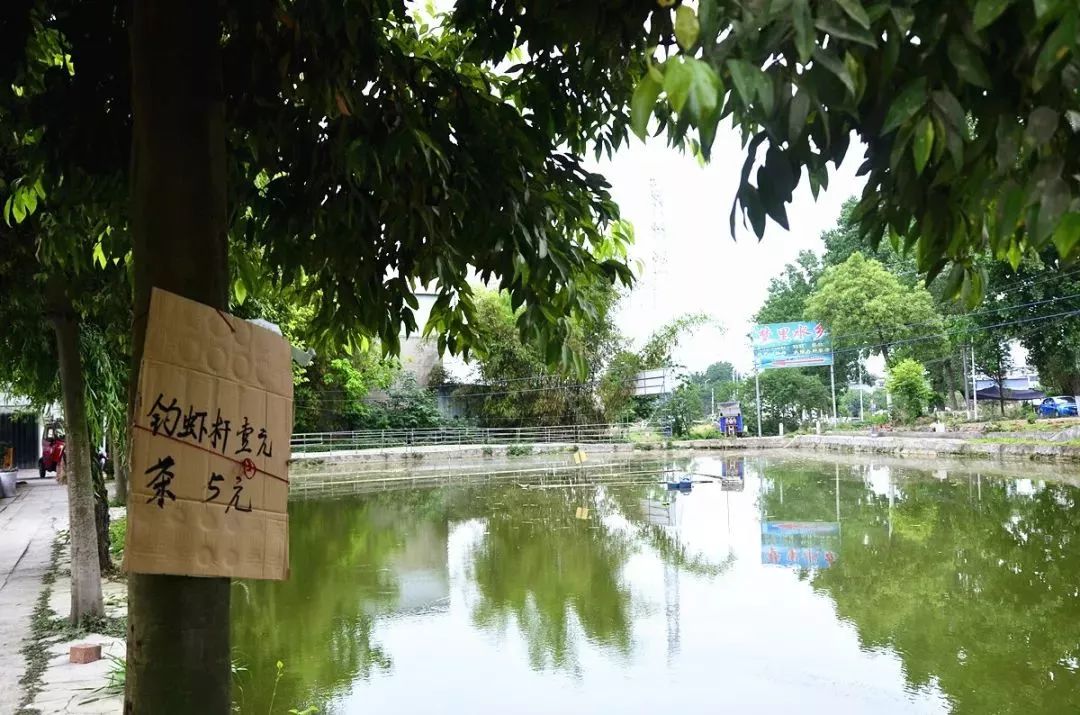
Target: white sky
701 268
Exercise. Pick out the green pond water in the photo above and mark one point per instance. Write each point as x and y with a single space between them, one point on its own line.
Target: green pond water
805 586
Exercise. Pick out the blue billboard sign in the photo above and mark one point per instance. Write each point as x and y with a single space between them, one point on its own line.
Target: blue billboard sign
803 544
800 344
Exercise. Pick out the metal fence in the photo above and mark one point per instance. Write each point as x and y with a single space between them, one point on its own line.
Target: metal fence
381 439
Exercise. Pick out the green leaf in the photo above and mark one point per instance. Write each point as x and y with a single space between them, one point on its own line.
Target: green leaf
709 20
742 76
839 27
751 201
642 104
797 113
677 79
99 255
967 62
239 289
17 208
910 100
953 281
904 17
705 90
986 11
1053 202
1067 234
29 199
923 143
1057 48
951 110
837 67
803 22
1015 254
687 28
857 73
855 11
7 209
1011 203
1041 125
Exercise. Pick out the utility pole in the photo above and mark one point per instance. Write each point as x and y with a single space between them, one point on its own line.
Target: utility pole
967 397
712 396
858 362
832 379
974 387
757 390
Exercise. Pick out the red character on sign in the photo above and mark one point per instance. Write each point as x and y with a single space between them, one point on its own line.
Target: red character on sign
819 330
783 333
801 332
764 335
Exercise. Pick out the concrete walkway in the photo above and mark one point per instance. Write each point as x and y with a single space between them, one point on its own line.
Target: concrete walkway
28 525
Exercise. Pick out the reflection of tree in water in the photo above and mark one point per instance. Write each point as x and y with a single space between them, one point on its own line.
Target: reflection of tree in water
541 567
320 622
665 541
538 564
981 596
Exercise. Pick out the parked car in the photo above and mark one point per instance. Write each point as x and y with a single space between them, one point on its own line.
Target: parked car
1061 406
52 449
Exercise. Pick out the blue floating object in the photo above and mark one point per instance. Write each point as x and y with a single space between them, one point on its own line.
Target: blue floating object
685 484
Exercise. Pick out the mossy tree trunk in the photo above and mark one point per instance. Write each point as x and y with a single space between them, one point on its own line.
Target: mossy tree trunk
178 627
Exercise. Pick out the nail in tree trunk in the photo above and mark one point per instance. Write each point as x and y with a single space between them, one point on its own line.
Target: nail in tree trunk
178 627
85 569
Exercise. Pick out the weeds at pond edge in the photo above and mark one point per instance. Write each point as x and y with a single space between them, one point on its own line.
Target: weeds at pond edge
46 628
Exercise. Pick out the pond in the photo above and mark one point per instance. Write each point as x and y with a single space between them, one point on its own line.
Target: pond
820 586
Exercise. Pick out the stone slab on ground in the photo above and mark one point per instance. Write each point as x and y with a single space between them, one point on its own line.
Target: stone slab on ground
78 689
28 525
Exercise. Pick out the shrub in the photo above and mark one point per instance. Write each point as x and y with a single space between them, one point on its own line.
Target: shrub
910 389
879 419
519 450
117 532
705 431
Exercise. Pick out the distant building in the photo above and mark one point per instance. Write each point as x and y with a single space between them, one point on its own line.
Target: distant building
22 427
420 355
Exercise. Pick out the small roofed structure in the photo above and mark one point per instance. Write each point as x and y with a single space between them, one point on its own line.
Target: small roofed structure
729 419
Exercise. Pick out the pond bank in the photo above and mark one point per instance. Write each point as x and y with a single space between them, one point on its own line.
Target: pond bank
417 465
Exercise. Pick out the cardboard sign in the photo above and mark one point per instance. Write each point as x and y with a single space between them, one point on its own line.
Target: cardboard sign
209 446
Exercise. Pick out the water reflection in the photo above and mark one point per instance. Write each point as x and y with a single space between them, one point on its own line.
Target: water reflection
815 585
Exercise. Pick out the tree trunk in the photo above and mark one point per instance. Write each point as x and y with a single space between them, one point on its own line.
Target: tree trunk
950 383
101 517
884 349
85 570
178 627
118 457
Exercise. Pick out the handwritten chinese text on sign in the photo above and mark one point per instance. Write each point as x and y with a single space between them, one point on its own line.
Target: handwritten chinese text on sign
210 446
